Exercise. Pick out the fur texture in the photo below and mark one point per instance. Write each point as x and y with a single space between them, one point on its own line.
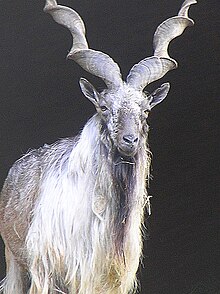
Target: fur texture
84 231
71 213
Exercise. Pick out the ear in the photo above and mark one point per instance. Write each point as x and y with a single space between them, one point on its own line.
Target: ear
159 95
89 91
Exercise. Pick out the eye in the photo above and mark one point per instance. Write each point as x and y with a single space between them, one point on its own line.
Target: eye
103 108
146 112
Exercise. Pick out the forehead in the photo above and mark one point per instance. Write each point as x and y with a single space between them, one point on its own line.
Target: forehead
125 97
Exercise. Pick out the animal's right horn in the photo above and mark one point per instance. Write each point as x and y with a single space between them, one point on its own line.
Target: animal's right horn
95 62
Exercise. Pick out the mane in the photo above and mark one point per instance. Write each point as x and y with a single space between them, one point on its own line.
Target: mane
107 193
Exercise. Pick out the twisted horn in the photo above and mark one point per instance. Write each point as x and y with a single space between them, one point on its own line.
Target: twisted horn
95 62
155 67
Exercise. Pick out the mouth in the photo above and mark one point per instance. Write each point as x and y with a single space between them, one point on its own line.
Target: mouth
121 158
126 153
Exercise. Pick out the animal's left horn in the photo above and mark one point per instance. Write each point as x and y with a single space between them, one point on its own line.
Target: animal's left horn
155 67
95 62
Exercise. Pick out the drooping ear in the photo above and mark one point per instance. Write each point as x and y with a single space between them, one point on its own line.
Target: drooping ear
159 94
89 91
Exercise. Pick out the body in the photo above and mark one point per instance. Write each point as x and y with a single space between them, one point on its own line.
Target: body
71 213
75 181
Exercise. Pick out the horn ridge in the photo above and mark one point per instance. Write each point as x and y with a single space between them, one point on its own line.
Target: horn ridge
95 62
185 8
164 34
148 70
70 19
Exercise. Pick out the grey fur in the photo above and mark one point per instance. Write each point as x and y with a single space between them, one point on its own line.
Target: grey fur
71 213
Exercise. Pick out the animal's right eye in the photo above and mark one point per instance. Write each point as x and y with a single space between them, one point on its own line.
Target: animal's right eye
103 108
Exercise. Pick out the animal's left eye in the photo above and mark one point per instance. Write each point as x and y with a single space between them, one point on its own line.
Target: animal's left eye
146 112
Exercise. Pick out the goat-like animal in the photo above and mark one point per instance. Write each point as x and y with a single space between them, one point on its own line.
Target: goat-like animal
71 213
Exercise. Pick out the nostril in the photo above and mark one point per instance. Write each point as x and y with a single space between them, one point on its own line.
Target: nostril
130 139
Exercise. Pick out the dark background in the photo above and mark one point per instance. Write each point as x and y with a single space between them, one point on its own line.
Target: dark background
41 102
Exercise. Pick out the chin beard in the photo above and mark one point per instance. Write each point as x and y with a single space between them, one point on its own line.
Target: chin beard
124 178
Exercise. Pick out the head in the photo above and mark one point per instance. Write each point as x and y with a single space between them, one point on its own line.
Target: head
124 106
123 113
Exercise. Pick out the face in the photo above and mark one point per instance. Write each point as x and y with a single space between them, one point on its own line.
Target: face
123 114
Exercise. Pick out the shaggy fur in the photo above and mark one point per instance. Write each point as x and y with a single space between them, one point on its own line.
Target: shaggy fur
71 213
84 231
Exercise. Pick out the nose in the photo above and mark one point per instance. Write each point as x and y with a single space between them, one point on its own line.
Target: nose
130 139
128 144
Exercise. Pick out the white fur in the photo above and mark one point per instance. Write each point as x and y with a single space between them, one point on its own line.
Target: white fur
13 281
68 239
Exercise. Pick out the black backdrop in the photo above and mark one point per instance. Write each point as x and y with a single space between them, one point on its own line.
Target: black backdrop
41 101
